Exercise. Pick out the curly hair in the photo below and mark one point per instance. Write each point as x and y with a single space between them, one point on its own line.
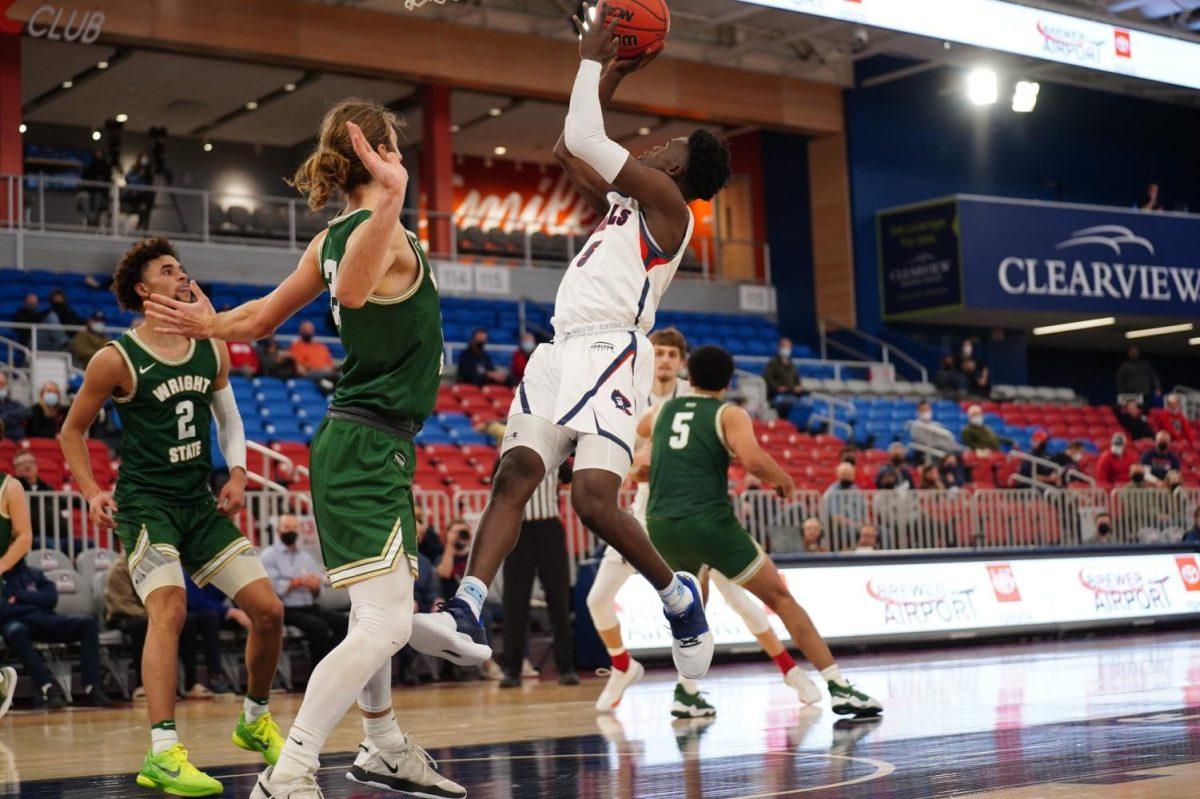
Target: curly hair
710 368
132 266
708 165
334 165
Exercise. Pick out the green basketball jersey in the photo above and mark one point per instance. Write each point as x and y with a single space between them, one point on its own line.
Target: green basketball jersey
689 462
5 520
393 345
166 422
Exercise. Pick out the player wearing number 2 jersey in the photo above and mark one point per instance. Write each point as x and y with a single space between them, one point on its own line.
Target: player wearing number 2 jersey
168 390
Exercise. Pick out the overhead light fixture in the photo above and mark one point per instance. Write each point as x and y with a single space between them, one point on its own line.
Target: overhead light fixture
1025 96
22 128
95 135
455 128
1194 341
643 131
1067 327
945 45
101 65
494 112
501 150
208 147
250 106
289 87
981 86
1160 331
66 84
122 118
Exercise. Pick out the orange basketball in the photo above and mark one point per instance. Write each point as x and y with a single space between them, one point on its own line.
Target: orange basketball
642 25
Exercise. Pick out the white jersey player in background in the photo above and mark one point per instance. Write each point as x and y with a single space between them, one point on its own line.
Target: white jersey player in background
670 353
586 391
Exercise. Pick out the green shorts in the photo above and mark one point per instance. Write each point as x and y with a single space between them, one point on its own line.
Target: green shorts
198 535
362 499
713 538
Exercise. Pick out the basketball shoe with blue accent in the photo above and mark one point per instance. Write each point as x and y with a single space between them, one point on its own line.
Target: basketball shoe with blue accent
692 644
452 633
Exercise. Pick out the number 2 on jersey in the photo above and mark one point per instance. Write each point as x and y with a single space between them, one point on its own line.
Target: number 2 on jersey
186 411
679 426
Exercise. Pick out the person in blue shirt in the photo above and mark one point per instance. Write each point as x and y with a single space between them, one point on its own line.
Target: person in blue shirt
1160 459
475 365
1192 536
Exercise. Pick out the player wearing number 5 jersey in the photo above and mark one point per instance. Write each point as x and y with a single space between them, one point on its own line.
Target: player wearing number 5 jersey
168 390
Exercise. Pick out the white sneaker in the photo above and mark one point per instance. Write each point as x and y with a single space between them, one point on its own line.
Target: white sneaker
618 681
490 671
806 690
8 687
691 641
528 672
452 633
408 770
304 787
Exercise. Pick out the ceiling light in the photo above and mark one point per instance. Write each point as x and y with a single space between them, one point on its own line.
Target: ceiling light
22 128
1025 96
250 106
1067 327
102 65
945 45
66 84
981 86
289 87
208 147
643 131
1194 341
1160 331
455 128
95 135
122 118
501 150
494 112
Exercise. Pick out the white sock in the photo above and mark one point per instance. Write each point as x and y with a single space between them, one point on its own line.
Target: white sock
161 740
301 753
689 685
384 732
254 709
472 591
676 597
834 675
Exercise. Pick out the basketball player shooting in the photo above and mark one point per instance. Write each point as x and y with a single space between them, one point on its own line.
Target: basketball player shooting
585 391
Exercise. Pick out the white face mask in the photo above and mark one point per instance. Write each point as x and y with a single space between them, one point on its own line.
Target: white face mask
975 419
925 416
785 352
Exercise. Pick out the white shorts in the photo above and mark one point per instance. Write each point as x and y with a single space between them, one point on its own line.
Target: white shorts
592 389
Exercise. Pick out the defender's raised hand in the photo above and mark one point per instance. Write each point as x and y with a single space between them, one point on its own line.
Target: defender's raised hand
597 38
383 164
192 319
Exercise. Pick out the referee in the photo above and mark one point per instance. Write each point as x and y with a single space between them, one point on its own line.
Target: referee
541 550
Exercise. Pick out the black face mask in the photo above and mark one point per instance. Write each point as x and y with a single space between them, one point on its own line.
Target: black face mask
1103 529
897 459
479 345
306 337
1163 447
845 483
1137 478
289 538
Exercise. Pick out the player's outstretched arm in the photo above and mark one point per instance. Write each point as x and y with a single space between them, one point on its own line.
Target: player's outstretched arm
231 437
640 471
106 375
740 438
16 508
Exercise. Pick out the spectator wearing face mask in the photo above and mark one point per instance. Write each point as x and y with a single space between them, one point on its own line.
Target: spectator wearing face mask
952 472
967 351
313 359
1160 459
783 381
1133 419
1040 472
1112 467
1140 477
1104 530
46 417
845 504
13 414
976 377
1172 419
926 432
949 380
89 341
1070 458
1192 536
894 474
29 313
475 364
976 434
520 358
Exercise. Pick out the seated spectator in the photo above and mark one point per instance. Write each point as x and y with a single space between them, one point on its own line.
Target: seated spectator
1135 375
1171 418
429 543
1160 459
930 478
1150 200
1192 536
1140 477
1104 529
297 580
313 359
812 535
475 364
60 313
27 616
894 474
977 435
849 454
783 380
967 351
243 359
453 564
975 375
952 472
275 362
60 308
13 414
1069 459
1112 467
29 313
845 504
46 417
1133 419
89 341
1173 481
926 432
1045 473
520 358
124 611
43 511
949 380
868 538
207 611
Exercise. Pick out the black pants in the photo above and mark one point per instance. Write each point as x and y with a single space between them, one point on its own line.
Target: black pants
541 550
55 628
323 629
206 625
135 627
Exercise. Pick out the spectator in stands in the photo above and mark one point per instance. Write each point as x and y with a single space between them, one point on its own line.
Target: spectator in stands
142 201
868 538
89 341
453 564
13 414
952 472
1150 200
1192 536
63 310
976 376
27 601
967 351
243 359
520 358
1133 419
124 611
1172 419
1160 459
297 580
1112 467
949 380
1047 472
1140 477
1135 375
429 543
845 504
849 454
94 199
276 363
894 474
46 417
977 435
29 313
1070 458
926 432
812 535
783 381
313 359
206 612
931 479
1104 529
1173 482
475 364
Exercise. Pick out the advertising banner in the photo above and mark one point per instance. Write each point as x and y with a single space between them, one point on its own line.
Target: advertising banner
940 598
919 258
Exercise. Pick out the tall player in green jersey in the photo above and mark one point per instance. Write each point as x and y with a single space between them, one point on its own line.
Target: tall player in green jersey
385 305
691 520
168 390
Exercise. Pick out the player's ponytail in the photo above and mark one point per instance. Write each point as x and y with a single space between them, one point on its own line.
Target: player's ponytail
333 165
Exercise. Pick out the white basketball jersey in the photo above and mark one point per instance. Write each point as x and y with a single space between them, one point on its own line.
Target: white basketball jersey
620 274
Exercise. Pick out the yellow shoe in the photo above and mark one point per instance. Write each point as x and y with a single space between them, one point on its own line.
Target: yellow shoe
170 772
260 736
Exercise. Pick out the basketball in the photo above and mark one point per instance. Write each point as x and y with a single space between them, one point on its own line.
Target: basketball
642 25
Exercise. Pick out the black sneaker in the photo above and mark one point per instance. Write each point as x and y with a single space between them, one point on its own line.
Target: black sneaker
510 681
94 697
54 696
568 678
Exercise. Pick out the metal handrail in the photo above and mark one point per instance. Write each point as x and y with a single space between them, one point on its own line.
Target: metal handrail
889 351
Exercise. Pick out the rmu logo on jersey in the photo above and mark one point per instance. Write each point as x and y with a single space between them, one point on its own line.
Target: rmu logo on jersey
177 385
622 402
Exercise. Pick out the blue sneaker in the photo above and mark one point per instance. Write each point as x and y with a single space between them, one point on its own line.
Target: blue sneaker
692 647
452 633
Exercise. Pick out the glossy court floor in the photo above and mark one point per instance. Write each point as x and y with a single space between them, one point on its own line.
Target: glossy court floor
1112 718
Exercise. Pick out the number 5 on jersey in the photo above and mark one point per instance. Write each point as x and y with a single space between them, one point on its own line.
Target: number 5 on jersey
679 426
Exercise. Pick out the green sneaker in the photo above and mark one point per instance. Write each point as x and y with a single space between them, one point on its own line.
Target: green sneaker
170 772
849 701
260 736
690 706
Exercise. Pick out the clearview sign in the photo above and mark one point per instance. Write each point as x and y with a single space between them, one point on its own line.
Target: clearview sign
1036 256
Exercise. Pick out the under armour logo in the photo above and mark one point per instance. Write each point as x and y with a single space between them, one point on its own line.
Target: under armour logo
622 402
